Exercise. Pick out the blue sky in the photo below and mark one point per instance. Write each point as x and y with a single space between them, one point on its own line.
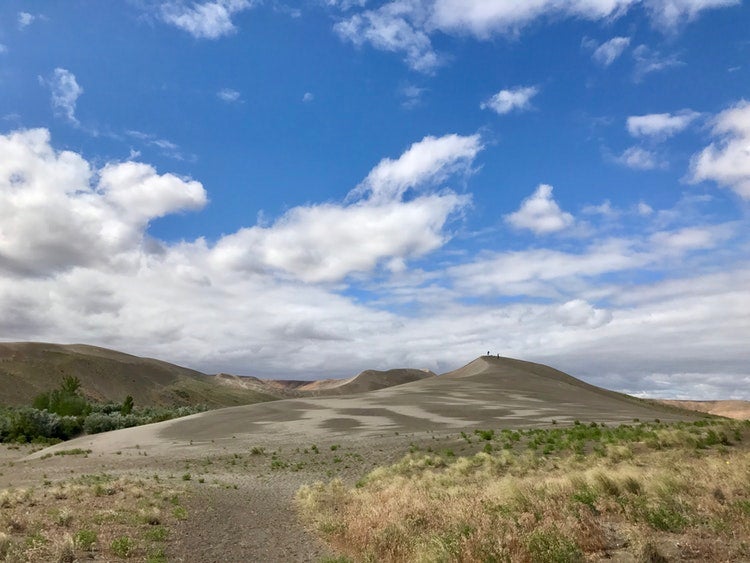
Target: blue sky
314 188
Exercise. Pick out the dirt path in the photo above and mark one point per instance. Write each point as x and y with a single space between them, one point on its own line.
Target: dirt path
256 522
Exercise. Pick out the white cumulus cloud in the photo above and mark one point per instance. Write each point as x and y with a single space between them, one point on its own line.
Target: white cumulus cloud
430 160
484 18
513 99
407 26
207 20
25 19
327 242
540 213
660 125
395 27
56 212
726 161
639 158
65 93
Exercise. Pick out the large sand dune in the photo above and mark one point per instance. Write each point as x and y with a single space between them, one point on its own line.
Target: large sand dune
489 392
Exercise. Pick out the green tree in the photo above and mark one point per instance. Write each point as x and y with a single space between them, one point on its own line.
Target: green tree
70 385
127 405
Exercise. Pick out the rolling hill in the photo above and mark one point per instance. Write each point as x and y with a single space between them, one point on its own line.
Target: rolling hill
736 409
29 368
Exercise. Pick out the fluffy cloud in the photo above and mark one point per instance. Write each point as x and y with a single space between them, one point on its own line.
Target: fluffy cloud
727 160
606 53
25 19
393 27
65 93
430 160
325 243
483 18
639 158
57 213
514 99
540 213
660 125
209 20
406 26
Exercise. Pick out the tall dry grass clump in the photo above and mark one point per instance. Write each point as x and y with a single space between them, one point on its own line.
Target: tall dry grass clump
679 494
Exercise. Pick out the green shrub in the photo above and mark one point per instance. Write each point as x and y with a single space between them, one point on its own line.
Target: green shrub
485 434
100 422
550 546
122 546
85 539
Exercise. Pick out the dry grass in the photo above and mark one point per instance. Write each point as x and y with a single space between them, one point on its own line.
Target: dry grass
95 516
682 497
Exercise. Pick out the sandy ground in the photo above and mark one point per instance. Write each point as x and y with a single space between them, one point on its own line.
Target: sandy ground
244 509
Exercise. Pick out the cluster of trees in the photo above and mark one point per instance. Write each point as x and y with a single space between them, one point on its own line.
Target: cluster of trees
64 413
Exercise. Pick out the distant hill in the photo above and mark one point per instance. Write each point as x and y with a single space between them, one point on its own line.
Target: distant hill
29 368
368 380
730 409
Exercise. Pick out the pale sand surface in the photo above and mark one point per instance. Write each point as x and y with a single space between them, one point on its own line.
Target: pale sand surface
256 521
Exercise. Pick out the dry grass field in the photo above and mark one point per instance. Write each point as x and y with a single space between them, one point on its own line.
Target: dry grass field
635 493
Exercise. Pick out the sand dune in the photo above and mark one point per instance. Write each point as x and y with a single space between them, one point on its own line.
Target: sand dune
488 392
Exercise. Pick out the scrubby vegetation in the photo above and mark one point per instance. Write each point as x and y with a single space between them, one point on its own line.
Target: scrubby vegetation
92 517
655 491
64 413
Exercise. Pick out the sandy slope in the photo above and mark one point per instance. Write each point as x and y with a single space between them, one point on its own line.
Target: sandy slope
488 392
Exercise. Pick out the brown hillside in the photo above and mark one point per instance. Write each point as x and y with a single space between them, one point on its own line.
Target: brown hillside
27 369
731 409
